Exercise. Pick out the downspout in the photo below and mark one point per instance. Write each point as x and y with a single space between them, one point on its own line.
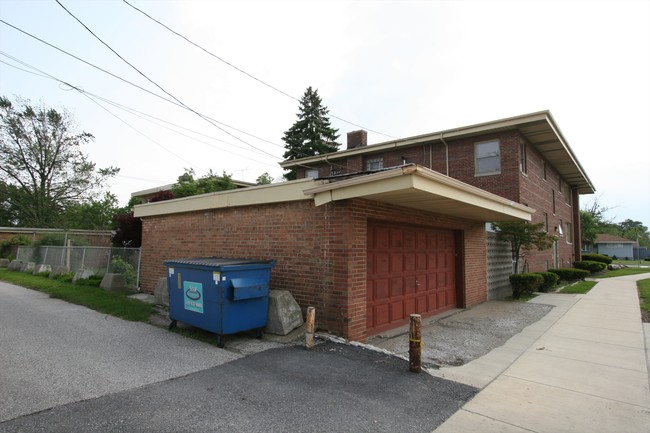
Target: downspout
446 154
577 229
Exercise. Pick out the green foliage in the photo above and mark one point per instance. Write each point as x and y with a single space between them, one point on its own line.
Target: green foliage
43 169
112 303
526 283
264 179
312 134
188 186
550 280
591 266
92 281
570 274
121 266
64 278
44 274
623 272
523 237
580 287
7 246
91 214
644 297
597 258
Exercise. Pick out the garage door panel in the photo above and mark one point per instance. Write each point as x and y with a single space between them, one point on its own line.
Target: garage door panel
410 269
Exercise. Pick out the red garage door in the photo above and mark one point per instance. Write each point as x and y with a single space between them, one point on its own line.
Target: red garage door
410 270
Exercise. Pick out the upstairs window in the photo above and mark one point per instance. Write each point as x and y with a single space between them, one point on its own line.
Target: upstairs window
313 173
522 158
487 158
374 164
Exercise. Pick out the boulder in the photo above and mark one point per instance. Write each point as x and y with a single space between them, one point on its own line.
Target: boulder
4 263
83 274
161 293
284 313
15 265
114 283
28 267
59 270
42 268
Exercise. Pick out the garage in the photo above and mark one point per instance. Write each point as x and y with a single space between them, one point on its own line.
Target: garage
410 270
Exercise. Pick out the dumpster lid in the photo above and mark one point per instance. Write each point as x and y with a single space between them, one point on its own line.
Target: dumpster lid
218 261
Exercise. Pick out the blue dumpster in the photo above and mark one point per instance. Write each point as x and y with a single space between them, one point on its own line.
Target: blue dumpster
224 296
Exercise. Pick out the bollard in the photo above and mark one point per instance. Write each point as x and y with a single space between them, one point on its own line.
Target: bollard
415 343
309 328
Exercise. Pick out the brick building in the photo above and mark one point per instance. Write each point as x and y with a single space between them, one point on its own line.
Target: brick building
373 233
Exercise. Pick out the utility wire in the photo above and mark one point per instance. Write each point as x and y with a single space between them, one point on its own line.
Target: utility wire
145 90
128 82
242 71
160 87
130 110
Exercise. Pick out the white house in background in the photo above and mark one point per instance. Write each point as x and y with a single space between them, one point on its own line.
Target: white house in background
611 246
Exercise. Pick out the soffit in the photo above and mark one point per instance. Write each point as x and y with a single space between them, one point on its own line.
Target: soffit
419 188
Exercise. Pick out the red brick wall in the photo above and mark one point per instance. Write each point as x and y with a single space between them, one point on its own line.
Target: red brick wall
529 189
320 251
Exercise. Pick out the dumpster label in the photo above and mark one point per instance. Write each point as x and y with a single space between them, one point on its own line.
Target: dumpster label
193 296
216 276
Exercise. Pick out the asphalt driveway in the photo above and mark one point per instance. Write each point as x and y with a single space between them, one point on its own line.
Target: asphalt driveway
67 368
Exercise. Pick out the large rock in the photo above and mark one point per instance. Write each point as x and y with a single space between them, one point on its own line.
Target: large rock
59 270
82 274
15 265
28 267
161 293
114 283
38 269
4 263
284 313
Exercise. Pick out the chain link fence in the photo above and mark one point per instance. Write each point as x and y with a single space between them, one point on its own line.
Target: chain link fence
101 260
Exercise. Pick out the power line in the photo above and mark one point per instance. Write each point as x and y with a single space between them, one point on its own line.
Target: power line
130 82
130 110
242 71
149 92
158 86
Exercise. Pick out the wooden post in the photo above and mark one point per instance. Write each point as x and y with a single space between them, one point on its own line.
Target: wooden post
309 328
415 343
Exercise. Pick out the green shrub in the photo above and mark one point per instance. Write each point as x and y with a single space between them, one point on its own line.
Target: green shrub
647 259
570 274
590 266
550 280
44 274
121 266
92 281
525 283
597 258
64 278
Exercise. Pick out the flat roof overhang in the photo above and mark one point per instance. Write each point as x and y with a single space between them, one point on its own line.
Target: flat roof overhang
539 129
416 187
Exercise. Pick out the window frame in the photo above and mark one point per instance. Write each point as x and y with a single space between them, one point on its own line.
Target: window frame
477 159
379 161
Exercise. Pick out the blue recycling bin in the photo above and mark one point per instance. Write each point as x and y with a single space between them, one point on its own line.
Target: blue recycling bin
223 296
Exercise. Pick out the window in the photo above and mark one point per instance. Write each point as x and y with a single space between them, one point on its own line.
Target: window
569 238
487 158
553 204
546 222
375 164
544 170
522 158
312 173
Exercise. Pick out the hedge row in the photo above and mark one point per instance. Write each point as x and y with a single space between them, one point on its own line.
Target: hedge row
543 281
597 258
591 266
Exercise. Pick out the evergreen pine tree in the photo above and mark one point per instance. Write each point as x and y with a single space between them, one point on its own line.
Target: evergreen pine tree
312 133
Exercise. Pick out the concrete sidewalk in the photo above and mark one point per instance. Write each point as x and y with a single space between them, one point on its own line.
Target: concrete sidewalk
581 368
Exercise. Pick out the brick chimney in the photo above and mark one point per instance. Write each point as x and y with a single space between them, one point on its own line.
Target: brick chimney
357 139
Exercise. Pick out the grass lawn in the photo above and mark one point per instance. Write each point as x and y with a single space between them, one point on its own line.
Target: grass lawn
622 272
580 287
644 298
112 303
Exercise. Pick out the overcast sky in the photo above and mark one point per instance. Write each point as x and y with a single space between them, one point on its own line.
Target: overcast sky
398 68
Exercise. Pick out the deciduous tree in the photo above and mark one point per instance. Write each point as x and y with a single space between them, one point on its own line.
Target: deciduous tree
43 164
